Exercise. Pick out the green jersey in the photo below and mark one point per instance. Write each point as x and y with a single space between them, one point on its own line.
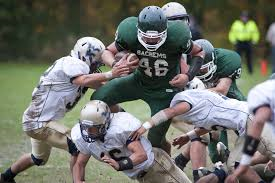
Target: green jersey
228 65
156 68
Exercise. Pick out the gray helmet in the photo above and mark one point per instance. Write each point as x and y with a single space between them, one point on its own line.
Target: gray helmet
208 69
152 27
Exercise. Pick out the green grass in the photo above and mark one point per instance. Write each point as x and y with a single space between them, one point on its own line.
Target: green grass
17 82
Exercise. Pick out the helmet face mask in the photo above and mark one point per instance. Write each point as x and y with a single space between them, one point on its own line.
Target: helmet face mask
89 50
90 132
94 120
207 70
152 28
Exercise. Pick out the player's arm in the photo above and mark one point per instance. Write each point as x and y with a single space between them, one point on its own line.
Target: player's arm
196 62
162 116
262 115
139 155
191 135
223 86
79 168
94 80
108 55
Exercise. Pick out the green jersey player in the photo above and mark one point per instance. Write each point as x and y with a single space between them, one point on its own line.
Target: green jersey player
159 45
220 71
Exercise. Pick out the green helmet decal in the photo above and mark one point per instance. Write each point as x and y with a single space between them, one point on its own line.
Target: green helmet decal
152 27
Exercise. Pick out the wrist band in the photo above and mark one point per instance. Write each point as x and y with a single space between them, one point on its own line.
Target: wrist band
108 75
159 118
192 135
147 125
246 159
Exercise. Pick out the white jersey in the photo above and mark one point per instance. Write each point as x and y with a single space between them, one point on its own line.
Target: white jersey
261 95
55 94
115 142
212 111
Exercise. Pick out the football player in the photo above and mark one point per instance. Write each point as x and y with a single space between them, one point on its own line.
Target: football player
105 136
261 102
60 88
207 110
159 44
221 69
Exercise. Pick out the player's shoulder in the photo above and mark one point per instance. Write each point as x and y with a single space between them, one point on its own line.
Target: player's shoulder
123 122
264 89
228 62
127 31
227 56
76 134
74 66
178 31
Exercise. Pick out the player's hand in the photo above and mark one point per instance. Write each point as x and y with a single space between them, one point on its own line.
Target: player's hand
132 62
110 161
137 134
179 81
270 166
233 178
120 70
180 141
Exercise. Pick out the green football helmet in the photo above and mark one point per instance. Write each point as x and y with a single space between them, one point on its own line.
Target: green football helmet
209 67
152 27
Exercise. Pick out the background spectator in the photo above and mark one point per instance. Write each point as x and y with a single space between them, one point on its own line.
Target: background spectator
243 35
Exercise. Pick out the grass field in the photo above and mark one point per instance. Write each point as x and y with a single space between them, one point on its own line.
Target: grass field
17 82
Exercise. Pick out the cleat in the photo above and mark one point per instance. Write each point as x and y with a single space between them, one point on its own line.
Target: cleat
223 152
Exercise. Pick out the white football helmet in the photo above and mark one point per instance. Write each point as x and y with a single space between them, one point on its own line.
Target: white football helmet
175 11
196 83
89 50
94 120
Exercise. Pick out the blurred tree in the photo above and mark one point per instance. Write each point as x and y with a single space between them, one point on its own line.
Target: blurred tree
48 29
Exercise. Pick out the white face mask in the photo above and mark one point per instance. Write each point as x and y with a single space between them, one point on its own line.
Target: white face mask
152 40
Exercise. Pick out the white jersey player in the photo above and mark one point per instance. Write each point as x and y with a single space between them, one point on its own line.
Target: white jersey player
59 89
105 136
260 135
206 110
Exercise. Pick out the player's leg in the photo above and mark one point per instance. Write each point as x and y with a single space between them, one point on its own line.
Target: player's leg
234 159
39 156
59 136
164 170
119 90
216 137
248 53
157 101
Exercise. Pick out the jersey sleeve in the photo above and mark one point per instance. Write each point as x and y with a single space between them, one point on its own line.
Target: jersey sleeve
179 33
182 97
74 67
125 125
126 34
78 140
260 95
228 63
